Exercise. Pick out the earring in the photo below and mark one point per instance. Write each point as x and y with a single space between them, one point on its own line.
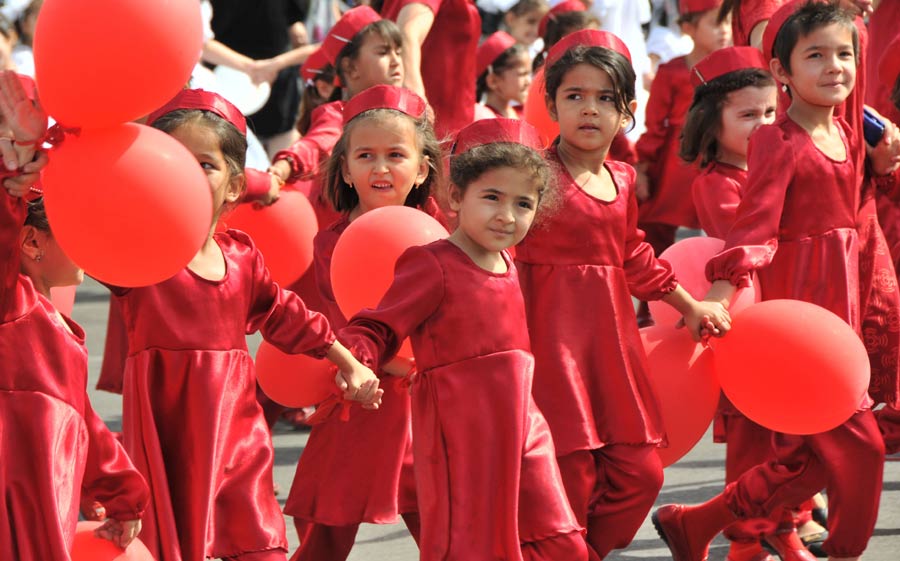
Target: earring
38 257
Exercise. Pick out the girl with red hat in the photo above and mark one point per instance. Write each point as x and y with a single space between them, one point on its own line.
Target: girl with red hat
487 481
581 268
54 447
504 76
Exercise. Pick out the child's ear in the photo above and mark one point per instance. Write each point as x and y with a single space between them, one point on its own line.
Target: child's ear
455 197
349 68
235 188
345 171
551 108
779 72
424 169
491 80
31 242
688 28
626 119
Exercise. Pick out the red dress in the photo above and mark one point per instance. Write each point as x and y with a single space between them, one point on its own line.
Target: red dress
350 471
751 13
191 420
670 177
54 447
580 268
448 51
717 194
486 477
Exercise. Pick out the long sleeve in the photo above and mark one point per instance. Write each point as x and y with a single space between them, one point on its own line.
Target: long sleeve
324 132
660 104
109 476
12 216
374 336
258 183
752 241
716 198
281 316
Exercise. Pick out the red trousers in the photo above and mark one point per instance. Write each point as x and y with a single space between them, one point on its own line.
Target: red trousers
848 461
319 542
611 490
889 424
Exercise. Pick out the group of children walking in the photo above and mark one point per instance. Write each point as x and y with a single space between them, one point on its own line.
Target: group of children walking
529 430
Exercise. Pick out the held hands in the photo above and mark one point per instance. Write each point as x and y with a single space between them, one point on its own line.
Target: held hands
120 533
884 157
706 319
360 384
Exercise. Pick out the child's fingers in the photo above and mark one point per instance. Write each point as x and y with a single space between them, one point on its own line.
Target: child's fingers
341 382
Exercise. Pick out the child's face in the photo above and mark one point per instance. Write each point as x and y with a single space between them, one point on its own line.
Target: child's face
497 209
585 107
708 34
743 112
203 143
324 88
524 28
823 67
383 161
512 84
378 63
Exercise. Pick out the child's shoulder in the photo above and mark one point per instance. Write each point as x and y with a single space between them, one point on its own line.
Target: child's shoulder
675 67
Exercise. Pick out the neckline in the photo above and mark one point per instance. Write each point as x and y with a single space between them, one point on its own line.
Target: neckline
847 157
580 189
198 276
504 254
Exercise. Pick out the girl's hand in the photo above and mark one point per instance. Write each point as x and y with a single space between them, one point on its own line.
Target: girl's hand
271 196
20 184
884 157
707 319
24 117
360 384
120 533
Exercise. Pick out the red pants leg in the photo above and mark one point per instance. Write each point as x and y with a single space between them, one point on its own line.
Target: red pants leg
565 546
413 524
268 555
848 461
319 542
889 425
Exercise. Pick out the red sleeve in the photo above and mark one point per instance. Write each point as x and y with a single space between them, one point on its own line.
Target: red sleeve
650 145
753 239
258 183
374 336
434 5
280 315
716 199
109 476
324 131
12 217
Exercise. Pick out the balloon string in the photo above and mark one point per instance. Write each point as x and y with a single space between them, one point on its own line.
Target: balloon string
57 133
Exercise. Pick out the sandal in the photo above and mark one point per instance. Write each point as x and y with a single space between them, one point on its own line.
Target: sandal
813 543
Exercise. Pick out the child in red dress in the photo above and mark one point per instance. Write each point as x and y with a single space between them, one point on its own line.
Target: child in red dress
486 478
797 218
191 421
504 76
54 447
664 180
360 470
578 272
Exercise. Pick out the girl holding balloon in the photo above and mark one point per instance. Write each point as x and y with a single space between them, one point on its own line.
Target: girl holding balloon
54 446
360 469
580 269
486 477
796 219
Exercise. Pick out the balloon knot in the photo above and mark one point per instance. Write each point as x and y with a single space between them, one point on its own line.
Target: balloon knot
57 133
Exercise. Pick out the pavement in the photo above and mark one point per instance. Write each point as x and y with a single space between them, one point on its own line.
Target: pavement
696 478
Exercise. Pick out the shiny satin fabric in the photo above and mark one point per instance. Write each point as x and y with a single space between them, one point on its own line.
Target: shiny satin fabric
578 271
478 440
308 153
717 193
191 420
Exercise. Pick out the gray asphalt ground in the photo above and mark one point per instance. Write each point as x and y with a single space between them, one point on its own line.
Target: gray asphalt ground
697 477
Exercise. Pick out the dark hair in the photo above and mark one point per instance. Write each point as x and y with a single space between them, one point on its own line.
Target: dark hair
502 63
232 143
473 163
561 25
344 198
384 28
620 72
37 216
732 7
699 137
895 94
523 7
311 98
809 17
33 8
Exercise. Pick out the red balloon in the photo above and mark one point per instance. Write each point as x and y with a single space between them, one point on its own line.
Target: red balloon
294 380
688 259
684 381
536 109
283 232
129 204
102 62
88 547
792 366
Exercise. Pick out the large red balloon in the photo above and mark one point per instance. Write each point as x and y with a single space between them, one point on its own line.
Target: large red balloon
294 380
283 232
129 204
88 547
792 366
684 381
688 259
103 62
536 109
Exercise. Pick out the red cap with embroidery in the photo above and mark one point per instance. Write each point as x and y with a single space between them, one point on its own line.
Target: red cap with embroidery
587 38
385 97
561 8
352 22
889 65
492 47
695 6
775 24
724 61
204 101
488 131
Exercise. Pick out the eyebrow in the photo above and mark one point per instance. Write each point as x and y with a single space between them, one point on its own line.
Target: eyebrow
582 88
820 47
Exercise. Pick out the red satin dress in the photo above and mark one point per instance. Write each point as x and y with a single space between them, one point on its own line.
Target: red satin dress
487 482
55 449
796 225
191 421
448 51
356 470
748 15
670 178
578 271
